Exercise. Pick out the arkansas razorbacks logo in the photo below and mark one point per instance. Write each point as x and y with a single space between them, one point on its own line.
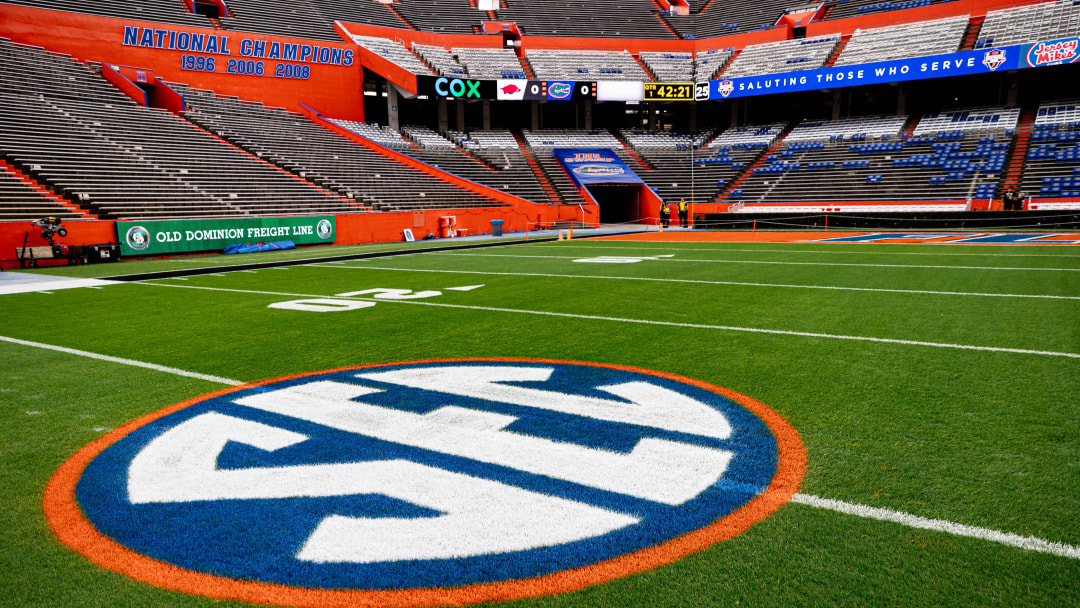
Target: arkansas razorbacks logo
425 482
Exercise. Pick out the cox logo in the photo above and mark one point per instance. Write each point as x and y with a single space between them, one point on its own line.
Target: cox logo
437 482
456 87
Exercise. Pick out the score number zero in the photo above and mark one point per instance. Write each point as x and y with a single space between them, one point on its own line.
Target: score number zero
247 67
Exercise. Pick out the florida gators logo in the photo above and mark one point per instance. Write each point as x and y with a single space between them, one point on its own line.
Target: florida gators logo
425 483
560 90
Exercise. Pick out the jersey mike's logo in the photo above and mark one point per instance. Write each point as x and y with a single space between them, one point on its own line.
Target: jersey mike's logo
427 482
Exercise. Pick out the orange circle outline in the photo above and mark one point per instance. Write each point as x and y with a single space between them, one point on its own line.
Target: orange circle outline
71 527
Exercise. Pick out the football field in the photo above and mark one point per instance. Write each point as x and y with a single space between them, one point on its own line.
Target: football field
935 390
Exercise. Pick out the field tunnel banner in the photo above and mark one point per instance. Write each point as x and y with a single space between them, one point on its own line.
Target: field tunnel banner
178 236
589 166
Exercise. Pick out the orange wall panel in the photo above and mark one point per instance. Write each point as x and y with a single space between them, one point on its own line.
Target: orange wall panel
336 89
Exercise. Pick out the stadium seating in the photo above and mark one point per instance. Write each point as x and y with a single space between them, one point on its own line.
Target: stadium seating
854 8
162 11
708 63
297 18
489 62
18 201
907 40
498 164
784 56
441 16
1053 160
729 17
585 65
670 67
634 19
867 159
69 129
1032 23
298 145
393 51
381 134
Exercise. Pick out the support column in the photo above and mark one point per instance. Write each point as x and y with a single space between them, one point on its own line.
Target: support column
693 116
534 112
486 104
392 107
734 112
1013 93
901 100
459 106
444 120
837 101
588 115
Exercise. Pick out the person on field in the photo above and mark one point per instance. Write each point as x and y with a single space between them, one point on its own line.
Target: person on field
684 211
665 215
1011 199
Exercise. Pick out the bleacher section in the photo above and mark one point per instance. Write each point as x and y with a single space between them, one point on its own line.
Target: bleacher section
19 201
296 18
585 65
668 157
489 62
843 9
908 40
1053 160
1032 23
501 164
708 63
670 67
440 16
393 51
634 18
380 134
866 160
162 11
729 17
298 145
784 56
70 130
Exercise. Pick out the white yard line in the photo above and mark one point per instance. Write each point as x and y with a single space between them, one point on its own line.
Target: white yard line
778 263
756 330
702 282
600 245
1028 543
153 366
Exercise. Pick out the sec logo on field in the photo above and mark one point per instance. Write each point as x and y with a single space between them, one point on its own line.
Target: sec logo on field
425 483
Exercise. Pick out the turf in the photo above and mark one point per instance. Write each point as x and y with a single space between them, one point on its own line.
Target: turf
986 439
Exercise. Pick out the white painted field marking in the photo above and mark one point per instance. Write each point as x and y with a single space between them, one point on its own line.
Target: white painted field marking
913 521
701 282
755 330
466 288
776 263
603 245
1028 543
153 366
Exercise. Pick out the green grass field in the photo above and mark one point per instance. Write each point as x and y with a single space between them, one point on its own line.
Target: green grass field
963 407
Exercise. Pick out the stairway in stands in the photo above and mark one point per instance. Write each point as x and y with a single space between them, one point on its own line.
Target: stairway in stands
719 72
549 189
390 7
835 54
760 160
526 67
664 22
971 34
909 127
1018 156
645 67
32 184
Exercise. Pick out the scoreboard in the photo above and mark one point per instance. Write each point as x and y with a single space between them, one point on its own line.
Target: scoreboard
676 91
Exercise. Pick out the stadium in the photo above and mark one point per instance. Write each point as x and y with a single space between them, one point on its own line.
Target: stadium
540 303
